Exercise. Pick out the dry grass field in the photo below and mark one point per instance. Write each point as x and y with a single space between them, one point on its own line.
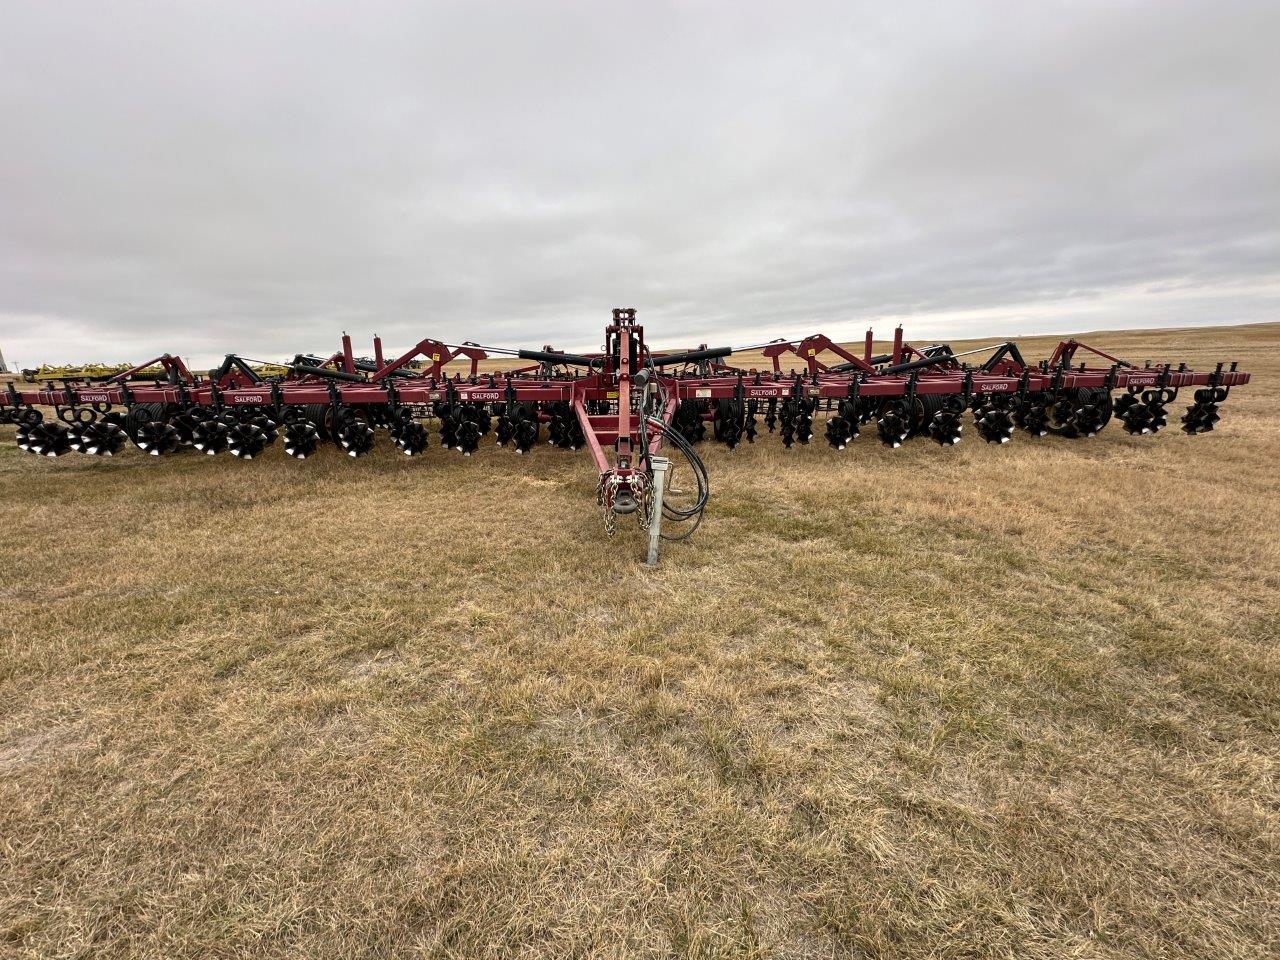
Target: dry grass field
1017 701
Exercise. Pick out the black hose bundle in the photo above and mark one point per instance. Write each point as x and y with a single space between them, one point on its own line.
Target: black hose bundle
694 512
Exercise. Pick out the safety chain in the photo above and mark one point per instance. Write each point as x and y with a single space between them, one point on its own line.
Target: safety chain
646 507
605 498
610 518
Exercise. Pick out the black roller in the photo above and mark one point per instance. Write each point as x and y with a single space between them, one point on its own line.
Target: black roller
526 434
75 438
1072 414
411 438
796 416
1060 415
556 431
156 438
186 421
1140 414
1200 418
728 422
1156 401
840 432
894 424
924 408
103 438
902 418
688 420
140 414
1136 419
842 429
210 436
564 430
355 437
945 428
76 434
318 415
480 416
1030 414
520 428
1159 417
505 430
301 438
268 426
44 439
1202 415
1092 411
771 414
467 436
246 440
450 418
994 423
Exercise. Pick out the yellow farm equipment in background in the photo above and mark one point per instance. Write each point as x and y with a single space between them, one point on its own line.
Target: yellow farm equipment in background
87 372
97 372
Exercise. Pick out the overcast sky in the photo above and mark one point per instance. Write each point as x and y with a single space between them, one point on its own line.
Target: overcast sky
258 176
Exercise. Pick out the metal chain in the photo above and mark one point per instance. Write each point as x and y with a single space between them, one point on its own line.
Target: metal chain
645 499
610 520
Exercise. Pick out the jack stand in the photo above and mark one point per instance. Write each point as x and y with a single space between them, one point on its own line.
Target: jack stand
660 465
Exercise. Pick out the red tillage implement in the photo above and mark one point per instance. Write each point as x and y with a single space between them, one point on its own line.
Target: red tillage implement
622 404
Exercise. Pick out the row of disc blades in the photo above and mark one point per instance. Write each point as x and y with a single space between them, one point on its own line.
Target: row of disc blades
1076 413
245 433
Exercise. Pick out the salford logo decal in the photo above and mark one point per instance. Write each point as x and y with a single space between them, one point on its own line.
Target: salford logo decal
994 387
95 398
249 398
484 395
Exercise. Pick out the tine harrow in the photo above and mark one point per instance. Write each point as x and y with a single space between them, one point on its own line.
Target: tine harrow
623 404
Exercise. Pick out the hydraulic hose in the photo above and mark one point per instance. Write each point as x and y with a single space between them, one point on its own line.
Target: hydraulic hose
692 356
546 356
693 512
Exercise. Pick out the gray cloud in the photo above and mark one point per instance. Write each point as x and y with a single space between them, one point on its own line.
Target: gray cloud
257 177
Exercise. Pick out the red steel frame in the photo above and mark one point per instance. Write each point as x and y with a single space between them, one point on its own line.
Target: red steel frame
629 383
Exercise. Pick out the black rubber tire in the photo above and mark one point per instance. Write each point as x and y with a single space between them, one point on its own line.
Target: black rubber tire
141 413
1098 395
321 415
922 411
1081 395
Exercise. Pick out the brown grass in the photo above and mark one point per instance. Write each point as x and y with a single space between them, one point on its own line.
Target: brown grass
996 702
